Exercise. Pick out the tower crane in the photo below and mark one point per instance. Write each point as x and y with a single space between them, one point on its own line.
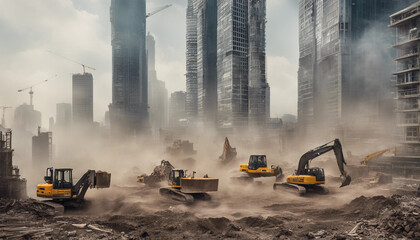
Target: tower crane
71 60
3 121
158 10
31 92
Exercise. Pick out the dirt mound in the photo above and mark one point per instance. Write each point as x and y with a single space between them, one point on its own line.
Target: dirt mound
370 207
12 206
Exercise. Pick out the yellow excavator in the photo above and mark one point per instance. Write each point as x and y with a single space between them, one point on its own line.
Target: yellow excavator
187 189
59 186
376 155
257 167
310 179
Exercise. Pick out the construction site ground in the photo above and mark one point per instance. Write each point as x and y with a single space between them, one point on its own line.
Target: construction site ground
358 211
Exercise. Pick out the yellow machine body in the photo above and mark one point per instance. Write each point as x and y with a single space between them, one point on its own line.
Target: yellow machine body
261 170
46 190
303 180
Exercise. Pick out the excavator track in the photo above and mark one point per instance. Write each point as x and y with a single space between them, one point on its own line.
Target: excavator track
177 195
289 187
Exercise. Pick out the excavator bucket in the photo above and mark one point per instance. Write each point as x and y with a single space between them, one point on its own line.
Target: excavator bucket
345 180
103 179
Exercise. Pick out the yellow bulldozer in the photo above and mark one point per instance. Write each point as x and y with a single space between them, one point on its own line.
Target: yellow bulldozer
257 167
188 189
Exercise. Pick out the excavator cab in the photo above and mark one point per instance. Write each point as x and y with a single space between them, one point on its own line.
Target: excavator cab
63 178
318 173
58 184
175 178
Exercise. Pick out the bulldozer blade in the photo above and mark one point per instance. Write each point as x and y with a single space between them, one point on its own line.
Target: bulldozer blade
199 185
345 180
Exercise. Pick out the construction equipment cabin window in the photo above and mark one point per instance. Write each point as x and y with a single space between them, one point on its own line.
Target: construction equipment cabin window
256 162
63 179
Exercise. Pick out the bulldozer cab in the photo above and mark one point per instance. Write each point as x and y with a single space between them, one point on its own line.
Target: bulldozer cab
318 173
175 178
61 179
257 161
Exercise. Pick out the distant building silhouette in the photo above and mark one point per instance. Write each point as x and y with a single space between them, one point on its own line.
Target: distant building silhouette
82 101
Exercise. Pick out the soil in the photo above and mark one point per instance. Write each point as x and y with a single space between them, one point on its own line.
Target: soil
237 212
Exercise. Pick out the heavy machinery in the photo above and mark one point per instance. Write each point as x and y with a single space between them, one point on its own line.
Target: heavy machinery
159 174
187 189
257 167
376 155
59 186
310 179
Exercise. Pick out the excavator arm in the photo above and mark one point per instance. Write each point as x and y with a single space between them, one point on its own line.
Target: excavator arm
91 179
338 151
85 182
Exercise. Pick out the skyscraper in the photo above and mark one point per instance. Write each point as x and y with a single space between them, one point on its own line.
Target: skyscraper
206 14
259 102
158 94
63 115
232 61
191 62
177 110
344 64
82 98
128 111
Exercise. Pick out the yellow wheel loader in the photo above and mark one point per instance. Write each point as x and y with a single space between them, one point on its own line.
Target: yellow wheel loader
60 189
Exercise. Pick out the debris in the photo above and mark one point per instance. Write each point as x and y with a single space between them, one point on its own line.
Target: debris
71 234
352 232
82 225
93 227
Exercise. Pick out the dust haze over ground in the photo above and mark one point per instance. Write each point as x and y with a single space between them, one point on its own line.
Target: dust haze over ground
130 210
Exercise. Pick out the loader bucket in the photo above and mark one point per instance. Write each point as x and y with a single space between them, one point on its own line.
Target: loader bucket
103 179
345 180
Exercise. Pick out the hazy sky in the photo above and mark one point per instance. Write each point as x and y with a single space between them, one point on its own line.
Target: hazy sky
80 30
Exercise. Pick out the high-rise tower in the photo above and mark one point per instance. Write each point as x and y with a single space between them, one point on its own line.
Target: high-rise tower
129 108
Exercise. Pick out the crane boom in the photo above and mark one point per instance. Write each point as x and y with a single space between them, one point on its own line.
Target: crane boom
71 60
158 10
31 93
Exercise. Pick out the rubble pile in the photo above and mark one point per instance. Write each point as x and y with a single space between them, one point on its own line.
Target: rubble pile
12 206
397 217
403 220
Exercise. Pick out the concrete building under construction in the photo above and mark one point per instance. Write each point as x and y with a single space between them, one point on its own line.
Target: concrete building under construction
11 185
129 108
407 24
